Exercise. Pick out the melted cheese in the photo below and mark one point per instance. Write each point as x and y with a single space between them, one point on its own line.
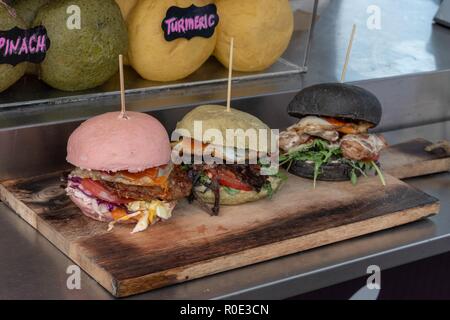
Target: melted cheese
137 179
189 147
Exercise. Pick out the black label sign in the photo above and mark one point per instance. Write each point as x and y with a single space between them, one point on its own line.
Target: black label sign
190 22
18 45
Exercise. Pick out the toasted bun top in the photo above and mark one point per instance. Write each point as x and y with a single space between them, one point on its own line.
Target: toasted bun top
217 118
110 143
337 100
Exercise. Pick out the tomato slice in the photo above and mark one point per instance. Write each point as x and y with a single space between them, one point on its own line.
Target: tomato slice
344 127
97 190
229 179
335 122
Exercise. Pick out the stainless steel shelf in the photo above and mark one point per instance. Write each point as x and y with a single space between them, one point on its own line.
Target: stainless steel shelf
31 92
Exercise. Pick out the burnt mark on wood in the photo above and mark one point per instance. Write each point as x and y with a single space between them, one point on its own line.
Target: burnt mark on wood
416 148
136 266
61 215
397 198
42 193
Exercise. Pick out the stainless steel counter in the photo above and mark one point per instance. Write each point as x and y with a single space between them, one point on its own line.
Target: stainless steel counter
30 267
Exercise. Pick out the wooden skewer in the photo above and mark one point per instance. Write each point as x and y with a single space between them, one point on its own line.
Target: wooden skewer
123 112
230 75
349 50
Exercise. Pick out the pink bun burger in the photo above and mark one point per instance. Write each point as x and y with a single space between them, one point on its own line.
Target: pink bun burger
123 172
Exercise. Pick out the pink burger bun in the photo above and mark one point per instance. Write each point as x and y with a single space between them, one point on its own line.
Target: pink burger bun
110 143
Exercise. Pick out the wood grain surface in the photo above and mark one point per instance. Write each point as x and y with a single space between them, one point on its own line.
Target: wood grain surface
409 159
192 244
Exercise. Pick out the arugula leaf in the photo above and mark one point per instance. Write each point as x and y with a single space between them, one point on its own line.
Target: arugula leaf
230 191
185 167
281 175
353 177
268 187
379 173
320 152
204 179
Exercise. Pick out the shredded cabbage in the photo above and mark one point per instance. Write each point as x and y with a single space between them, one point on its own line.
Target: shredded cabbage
148 213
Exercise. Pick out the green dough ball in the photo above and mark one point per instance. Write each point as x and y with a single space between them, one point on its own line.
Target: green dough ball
27 9
9 74
83 58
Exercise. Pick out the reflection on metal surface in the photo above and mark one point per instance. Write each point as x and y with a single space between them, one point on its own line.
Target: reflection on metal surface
377 53
30 91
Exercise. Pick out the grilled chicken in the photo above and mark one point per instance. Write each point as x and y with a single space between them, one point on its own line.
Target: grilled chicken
362 146
315 126
291 139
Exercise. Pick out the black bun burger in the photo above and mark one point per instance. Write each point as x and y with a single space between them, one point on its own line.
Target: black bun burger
331 141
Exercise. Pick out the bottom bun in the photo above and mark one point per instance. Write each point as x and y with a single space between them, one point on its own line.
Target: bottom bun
337 171
241 197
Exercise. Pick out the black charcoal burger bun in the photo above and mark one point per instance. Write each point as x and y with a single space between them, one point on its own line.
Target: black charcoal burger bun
337 100
335 171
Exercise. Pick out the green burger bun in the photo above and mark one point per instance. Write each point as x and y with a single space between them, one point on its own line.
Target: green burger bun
217 117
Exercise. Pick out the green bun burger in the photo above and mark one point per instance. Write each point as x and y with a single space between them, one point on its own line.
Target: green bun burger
241 177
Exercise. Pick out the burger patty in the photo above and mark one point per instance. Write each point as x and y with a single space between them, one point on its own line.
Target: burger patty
179 186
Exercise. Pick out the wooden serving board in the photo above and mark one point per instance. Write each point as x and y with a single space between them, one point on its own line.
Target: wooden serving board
409 159
192 244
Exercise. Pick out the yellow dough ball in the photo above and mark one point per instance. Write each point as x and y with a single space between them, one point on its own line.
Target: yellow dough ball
151 55
126 6
262 30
